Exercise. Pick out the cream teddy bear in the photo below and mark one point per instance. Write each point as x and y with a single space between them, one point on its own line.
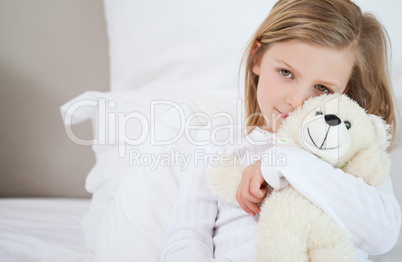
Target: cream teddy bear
292 228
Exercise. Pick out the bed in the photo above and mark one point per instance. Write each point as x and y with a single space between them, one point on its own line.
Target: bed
174 69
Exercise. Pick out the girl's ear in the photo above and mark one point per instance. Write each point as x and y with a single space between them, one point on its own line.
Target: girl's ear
256 63
256 45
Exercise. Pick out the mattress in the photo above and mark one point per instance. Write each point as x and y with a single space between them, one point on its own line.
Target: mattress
36 228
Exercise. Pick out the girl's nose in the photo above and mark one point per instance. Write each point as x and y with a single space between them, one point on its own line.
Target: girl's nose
296 98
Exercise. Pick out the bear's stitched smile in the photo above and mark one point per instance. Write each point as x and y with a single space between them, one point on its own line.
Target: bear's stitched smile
325 138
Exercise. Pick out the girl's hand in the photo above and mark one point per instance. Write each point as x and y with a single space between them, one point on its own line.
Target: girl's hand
251 190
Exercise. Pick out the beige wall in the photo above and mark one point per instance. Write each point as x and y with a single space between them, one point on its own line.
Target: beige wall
50 51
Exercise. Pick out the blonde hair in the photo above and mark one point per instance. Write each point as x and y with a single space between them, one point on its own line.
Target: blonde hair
335 24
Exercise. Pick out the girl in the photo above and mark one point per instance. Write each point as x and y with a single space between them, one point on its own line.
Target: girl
304 48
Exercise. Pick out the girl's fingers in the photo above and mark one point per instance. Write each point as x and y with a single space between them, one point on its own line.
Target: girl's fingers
250 207
242 204
253 207
249 192
256 190
250 202
247 210
248 196
247 201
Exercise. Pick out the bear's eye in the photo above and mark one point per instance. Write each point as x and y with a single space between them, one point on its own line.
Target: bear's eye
318 113
348 124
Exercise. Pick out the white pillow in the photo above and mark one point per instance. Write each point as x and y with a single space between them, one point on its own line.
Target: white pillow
135 181
194 45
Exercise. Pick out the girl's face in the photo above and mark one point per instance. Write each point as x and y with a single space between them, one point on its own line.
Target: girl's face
291 72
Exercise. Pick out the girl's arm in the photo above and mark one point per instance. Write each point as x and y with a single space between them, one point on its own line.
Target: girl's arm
189 236
371 215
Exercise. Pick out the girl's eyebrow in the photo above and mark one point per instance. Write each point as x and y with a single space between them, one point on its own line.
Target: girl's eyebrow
328 84
289 66
325 83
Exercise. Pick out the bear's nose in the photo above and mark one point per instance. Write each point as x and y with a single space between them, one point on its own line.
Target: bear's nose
332 120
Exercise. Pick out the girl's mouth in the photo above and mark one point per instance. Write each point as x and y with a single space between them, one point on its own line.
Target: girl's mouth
283 115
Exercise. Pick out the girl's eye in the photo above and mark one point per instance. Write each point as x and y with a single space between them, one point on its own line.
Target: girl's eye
286 73
322 88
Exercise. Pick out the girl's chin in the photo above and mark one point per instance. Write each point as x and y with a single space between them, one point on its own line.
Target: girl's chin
276 127
274 124
270 129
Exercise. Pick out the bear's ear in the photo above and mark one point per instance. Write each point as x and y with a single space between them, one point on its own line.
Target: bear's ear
381 129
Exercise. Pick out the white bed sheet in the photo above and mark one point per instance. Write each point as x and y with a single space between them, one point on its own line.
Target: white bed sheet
50 230
35 228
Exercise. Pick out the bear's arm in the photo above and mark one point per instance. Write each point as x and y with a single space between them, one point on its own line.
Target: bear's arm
371 165
371 215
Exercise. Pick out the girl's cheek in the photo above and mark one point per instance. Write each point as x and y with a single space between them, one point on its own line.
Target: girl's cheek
317 92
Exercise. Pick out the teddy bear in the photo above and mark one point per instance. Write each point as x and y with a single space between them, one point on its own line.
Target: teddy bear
336 129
